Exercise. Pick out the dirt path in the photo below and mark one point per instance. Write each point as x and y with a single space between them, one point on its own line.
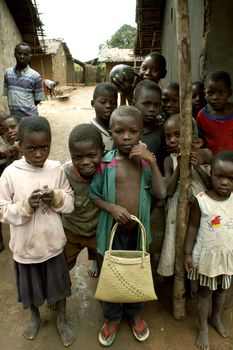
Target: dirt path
84 312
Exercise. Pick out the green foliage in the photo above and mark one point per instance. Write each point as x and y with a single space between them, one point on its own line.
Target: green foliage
124 38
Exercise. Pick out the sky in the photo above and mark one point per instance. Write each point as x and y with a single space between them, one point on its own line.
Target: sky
85 24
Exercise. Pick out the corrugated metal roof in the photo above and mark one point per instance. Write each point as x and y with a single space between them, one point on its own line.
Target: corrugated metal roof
117 55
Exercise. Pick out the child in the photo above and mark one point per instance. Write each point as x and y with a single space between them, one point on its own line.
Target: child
147 98
86 149
104 101
215 120
198 97
122 186
153 68
8 149
199 160
170 99
208 246
49 87
33 193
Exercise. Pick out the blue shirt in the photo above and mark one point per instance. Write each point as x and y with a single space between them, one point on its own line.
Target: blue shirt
22 91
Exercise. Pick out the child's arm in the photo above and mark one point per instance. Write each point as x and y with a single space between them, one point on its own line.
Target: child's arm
194 222
120 214
14 213
158 183
196 161
60 199
171 177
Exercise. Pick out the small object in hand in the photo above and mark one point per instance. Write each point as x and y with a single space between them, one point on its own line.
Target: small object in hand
123 72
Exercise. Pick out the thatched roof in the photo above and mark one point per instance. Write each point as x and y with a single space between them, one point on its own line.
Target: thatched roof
149 19
27 19
52 46
117 55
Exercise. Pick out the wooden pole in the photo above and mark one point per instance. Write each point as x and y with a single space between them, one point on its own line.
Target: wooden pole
184 58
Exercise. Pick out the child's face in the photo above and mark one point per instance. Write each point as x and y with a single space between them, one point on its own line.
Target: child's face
222 178
86 156
149 103
104 105
35 147
172 135
170 102
11 127
126 133
198 98
217 94
151 69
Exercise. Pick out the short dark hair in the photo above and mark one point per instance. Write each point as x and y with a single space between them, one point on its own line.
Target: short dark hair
199 83
17 118
30 125
173 86
220 75
174 118
85 132
104 86
147 85
127 111
22 44
3 116
158 57
226 156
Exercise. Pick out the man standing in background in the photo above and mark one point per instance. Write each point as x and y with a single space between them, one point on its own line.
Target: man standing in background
23 85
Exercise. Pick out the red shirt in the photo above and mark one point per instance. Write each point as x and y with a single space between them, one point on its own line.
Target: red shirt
216 132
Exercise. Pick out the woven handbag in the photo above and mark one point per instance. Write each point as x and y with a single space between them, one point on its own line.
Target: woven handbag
126 275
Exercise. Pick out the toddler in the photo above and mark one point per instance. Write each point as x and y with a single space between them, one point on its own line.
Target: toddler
208 246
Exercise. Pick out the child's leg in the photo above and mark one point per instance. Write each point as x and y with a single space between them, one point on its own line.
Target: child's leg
203 300
33 326
92 255
137 323
1 239
218 300
67 336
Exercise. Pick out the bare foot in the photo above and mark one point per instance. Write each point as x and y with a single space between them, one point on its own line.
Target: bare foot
67 336
94 269
53 307
203 339
216 322
32 328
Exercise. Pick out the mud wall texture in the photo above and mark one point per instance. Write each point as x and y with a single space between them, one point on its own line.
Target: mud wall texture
9 37
211 35
60 66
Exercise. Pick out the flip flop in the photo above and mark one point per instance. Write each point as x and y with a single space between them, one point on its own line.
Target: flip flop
138 329
110 334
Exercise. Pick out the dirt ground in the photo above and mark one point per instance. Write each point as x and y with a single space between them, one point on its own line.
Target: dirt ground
83 311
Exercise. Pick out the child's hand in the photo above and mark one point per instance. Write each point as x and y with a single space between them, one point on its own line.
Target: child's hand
188 264
48 197
120 214
35 198
142 152
195 159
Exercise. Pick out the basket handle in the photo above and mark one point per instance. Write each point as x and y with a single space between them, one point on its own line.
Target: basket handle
143 234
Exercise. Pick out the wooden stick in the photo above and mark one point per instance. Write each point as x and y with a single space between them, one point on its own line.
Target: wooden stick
184 58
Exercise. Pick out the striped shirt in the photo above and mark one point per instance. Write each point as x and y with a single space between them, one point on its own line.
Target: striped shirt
22 91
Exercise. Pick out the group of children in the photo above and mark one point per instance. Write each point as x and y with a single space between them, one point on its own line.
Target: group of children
117 165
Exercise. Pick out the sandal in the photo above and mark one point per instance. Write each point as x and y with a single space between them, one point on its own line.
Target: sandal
110 334
141 332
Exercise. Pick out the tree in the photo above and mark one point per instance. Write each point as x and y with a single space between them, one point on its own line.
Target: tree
123 38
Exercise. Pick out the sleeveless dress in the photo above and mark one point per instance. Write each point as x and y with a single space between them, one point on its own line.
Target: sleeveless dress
213 250
167 257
